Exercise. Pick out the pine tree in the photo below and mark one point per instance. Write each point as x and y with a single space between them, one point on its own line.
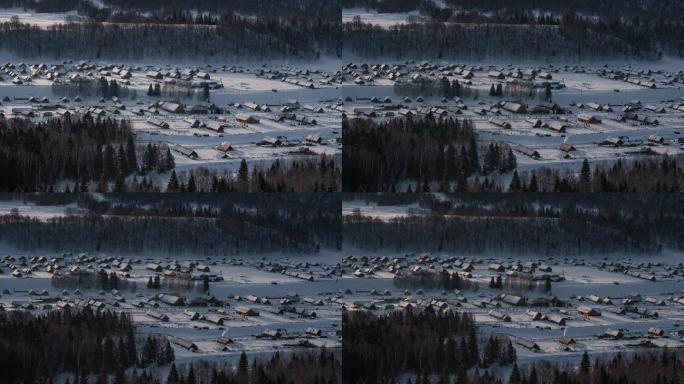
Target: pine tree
108 359
168 163
511 161
533 376
243 173
205 92
450 163
491 353
122 357
205 284
131 159
243 364
130 346
108 166
515 185
473 158
167 355
173 186
547 92
172 378
149 353
192 187
585 176
533 187
515 377
510 355
585 364
450 354
120 184
473 352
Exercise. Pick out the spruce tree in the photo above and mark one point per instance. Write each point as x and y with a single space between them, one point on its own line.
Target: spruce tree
243 364
172 378
192 187
533 187
585 176
173 186
515 185
585 364
108 359
131 159
515 377
243 172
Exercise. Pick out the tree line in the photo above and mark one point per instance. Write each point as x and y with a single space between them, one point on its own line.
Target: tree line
433 153
226 234
435 86
92 87
648 219
42 6
647 29
470 42
38 156
432 280
658 367
652 174
320 174
303 217
485 234
234 38
184 11
322 367
90 279
661 367
325 10
380 348
81 342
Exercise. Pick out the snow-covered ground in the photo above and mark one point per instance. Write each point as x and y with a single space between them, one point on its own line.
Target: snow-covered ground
40 19
582 278
311 94
384 20
579 86
614 285
32 210
238 279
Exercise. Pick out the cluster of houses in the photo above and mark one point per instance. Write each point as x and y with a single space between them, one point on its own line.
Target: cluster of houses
427 71
302 270
650 271
289 112
522 309
646 78
306 78
506 114
171 305
23 73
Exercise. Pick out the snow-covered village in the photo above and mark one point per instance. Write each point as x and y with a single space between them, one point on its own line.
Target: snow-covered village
341 191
